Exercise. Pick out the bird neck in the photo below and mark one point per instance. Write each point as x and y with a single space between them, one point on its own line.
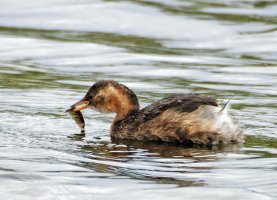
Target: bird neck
124 107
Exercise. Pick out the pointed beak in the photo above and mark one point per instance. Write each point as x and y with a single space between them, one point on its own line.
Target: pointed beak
80 105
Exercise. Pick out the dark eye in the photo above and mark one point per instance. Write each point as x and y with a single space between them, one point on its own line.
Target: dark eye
89 97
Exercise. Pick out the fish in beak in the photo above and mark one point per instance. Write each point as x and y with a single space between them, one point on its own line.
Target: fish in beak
75 113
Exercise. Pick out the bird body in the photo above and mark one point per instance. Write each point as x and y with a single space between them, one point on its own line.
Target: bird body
180 118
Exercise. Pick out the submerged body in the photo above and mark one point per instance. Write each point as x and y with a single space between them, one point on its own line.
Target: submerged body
182 118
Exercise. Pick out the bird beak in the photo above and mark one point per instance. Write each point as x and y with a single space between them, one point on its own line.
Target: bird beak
80 105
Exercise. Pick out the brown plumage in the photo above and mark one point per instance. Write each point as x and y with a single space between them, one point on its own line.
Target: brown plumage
182 118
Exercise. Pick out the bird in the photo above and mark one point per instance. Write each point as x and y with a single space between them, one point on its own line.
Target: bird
184 118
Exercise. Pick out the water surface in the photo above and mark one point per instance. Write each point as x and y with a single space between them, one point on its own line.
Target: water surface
52 51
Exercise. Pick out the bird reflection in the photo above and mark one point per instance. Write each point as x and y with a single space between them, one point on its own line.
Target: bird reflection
159 162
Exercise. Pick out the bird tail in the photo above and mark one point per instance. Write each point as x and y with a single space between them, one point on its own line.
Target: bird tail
225 106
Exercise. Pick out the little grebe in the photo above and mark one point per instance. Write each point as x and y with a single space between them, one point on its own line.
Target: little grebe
183 118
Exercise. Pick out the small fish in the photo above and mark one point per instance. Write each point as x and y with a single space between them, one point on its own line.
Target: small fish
79 119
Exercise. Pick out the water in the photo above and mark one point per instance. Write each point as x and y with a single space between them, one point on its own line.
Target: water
51 51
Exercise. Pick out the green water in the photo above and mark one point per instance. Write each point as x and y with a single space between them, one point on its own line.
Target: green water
51 51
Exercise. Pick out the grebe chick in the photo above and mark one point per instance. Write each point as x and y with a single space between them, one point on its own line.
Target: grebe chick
182 118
